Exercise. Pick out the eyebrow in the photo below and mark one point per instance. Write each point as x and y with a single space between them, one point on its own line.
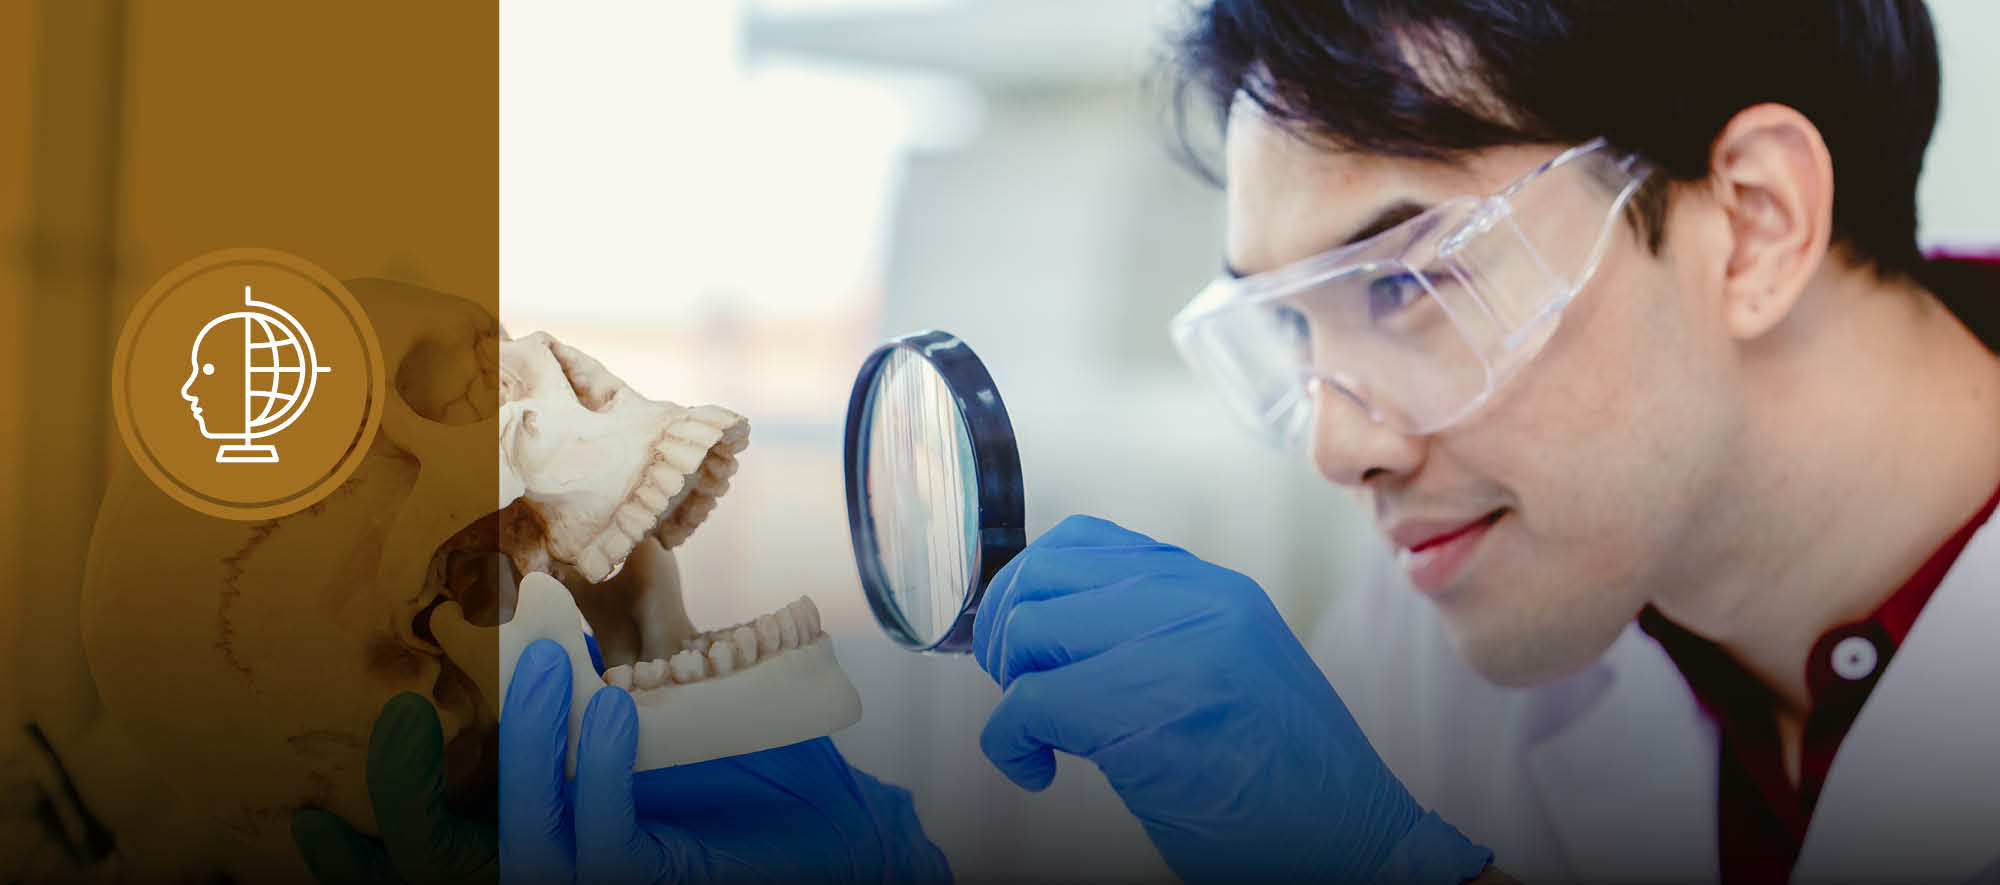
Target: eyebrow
1387 217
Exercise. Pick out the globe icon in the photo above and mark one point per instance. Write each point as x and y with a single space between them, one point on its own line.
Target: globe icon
268 350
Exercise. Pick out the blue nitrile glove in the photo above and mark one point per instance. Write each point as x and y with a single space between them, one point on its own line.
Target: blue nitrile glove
1181 682
792 813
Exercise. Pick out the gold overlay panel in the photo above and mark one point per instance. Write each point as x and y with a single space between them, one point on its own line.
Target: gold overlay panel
178 687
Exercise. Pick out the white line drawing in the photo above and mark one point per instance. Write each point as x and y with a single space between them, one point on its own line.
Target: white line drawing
280 371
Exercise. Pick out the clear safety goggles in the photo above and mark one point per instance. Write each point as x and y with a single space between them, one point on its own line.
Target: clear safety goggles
1421 323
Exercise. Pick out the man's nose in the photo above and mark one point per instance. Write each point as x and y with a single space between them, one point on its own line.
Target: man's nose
1350 447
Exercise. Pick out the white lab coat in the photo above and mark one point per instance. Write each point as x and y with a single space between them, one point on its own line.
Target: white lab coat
1611 773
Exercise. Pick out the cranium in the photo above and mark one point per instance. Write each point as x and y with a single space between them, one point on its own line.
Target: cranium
250 659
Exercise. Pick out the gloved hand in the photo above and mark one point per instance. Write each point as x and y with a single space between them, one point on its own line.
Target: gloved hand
1181 682
791 813
421 840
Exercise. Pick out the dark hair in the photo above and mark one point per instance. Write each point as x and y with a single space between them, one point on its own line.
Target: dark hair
1659 78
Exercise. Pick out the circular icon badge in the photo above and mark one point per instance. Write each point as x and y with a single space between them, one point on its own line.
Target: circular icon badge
248 384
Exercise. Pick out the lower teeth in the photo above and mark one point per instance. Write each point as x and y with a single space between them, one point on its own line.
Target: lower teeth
722 652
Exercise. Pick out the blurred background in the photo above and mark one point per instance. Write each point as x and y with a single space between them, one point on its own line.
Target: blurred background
733 201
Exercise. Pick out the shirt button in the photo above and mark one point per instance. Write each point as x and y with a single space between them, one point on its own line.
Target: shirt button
1854 658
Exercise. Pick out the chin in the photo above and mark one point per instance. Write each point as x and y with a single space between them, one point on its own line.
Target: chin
1514 646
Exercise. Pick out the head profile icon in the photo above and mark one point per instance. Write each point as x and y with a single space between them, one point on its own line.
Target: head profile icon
251 374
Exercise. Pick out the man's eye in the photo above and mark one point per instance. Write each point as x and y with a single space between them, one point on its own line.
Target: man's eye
1295 327
1389 295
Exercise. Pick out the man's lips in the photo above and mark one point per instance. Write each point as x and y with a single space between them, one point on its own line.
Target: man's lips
1419 535
1434 554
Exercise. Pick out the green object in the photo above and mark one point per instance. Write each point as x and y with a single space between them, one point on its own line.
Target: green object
422 841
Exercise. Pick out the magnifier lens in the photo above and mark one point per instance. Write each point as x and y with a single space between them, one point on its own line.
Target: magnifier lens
933 488
922 496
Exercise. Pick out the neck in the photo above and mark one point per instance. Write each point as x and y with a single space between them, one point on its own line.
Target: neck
1872 434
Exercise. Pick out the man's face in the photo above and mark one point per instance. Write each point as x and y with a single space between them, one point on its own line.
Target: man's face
1600 458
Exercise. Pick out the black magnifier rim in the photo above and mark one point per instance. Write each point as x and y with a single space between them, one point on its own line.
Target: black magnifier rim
996 463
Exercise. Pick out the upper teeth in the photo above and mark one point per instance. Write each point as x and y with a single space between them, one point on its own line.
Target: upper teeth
722 652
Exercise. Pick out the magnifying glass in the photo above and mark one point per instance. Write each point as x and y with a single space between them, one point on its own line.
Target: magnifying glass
933 488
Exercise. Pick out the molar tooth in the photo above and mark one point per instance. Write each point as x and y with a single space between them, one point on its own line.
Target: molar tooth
698 644
620 676
745 640
788 629
688 666
634 520
613 546
722 657
767 636
684 457
592 564
810 615
649 674
654 499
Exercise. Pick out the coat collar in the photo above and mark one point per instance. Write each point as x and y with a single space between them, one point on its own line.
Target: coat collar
1647 738
1916 777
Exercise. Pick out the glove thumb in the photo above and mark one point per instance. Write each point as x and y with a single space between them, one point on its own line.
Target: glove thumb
610 846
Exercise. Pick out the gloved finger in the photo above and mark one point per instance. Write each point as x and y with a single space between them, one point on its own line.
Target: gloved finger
1045 573
1074 531
536 835
1080 530
1012 738
609 844
1091 704
337 854
425 841
1043 634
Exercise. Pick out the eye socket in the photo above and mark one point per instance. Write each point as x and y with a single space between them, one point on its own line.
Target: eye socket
1293 322
1297 329
1391 294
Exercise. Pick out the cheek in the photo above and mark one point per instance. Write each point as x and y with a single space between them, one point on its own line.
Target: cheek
1590 441
1611 448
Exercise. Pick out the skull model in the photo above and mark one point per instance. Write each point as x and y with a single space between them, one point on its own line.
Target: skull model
592 475
249 659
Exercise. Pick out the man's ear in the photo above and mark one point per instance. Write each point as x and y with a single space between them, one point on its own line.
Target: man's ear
1773 178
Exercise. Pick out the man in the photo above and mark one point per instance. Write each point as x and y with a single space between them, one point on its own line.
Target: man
1612 314
1756 433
